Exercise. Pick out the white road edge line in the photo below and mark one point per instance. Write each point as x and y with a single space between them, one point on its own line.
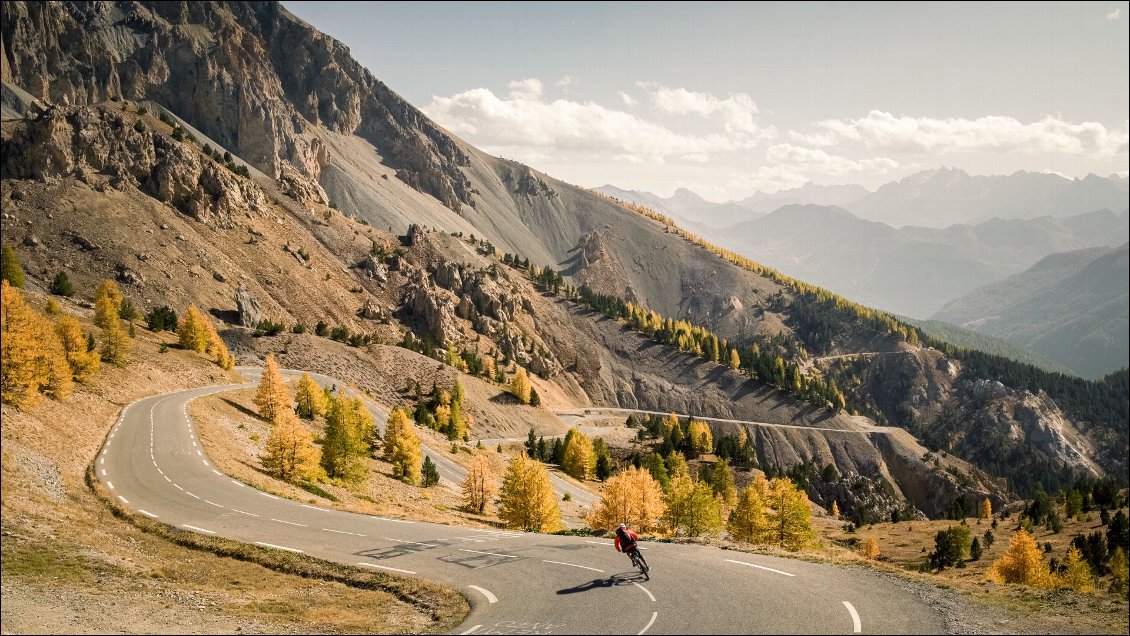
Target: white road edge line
470 631
384 567
279 547
645 591
268 495
241 485
508 556
147 513
600 542
124 500
856 625
760 567
491 598
103 472
191 495
249 514
314 508
110 484
572 565
392 520
198 529
213 503
217 472
649 623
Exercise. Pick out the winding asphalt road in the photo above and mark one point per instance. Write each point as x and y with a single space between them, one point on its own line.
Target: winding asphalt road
517 583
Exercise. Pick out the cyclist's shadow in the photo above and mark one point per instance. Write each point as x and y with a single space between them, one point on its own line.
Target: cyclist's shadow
616 579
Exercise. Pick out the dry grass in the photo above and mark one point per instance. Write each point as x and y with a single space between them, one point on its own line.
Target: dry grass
71 566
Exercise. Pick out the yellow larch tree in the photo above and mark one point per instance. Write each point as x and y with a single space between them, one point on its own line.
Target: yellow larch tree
631 496
310 400
748 522
272 398
676 465
669 423
701 437
578 461
1022 563
291 453
216 347
526 501
520 386
480 484
107 303
985 511
347 446
870 548
722 483
735 360
835 510
32 358
116 344
402 447
84 362
792 518
1077 573
692 509
192 332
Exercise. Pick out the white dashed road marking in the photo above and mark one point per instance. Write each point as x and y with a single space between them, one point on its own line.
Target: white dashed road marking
572 565
470 631
760 567
645 591
856 625
508 556
341 532
110 484
649 623
147 513
279 547
198 529
491 598
124 500
249 514
290 523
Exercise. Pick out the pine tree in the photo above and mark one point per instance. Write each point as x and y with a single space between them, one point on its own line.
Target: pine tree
657 468
1077 574
346 447
520 386
429 473
272 398
61 285
527 501
692 509
480 484
107 304
291 453
603 464
870 548
193 333
632 497
578 461
310 401
32 357
535 399
402 447
722 483
975 549
792 521
83 361
1022 563
10 268
748 522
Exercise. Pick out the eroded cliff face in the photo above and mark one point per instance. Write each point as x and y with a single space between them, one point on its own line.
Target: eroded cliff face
251 76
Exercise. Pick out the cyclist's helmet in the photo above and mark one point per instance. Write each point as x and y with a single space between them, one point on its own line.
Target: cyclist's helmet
622 526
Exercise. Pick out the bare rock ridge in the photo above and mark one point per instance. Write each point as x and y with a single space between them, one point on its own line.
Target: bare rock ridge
262 79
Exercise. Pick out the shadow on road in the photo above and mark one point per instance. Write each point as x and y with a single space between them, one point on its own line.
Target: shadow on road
616 579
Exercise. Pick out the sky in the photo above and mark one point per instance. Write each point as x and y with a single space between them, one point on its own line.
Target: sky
730 99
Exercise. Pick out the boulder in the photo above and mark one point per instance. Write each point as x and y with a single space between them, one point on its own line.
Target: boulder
247 306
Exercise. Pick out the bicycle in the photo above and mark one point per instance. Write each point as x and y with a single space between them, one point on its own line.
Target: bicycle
641 563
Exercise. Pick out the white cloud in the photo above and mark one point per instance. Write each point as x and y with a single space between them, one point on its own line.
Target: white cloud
821 162
628 99
1113 15
567 82
768 179
738 112
987 134
524 118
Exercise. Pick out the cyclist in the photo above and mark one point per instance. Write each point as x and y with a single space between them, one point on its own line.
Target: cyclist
626 540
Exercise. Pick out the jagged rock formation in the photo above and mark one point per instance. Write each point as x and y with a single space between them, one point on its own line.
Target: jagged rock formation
107 149
433 307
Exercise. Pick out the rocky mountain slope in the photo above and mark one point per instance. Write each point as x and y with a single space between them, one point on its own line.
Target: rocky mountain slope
334 229
1071 307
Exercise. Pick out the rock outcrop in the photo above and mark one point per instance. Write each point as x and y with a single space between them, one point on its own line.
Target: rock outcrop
247 306
433 308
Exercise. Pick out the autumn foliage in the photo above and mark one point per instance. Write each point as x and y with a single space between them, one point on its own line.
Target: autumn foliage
631 496
33 361
527 501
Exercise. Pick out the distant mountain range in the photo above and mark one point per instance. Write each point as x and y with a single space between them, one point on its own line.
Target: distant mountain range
1070 306
931 198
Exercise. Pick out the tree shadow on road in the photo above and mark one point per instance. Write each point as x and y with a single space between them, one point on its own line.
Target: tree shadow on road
616 579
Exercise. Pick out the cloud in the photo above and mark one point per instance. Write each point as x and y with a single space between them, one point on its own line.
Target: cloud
628 99
524 118
987 134
1113 15
768 179
738 112
821 162
567 82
